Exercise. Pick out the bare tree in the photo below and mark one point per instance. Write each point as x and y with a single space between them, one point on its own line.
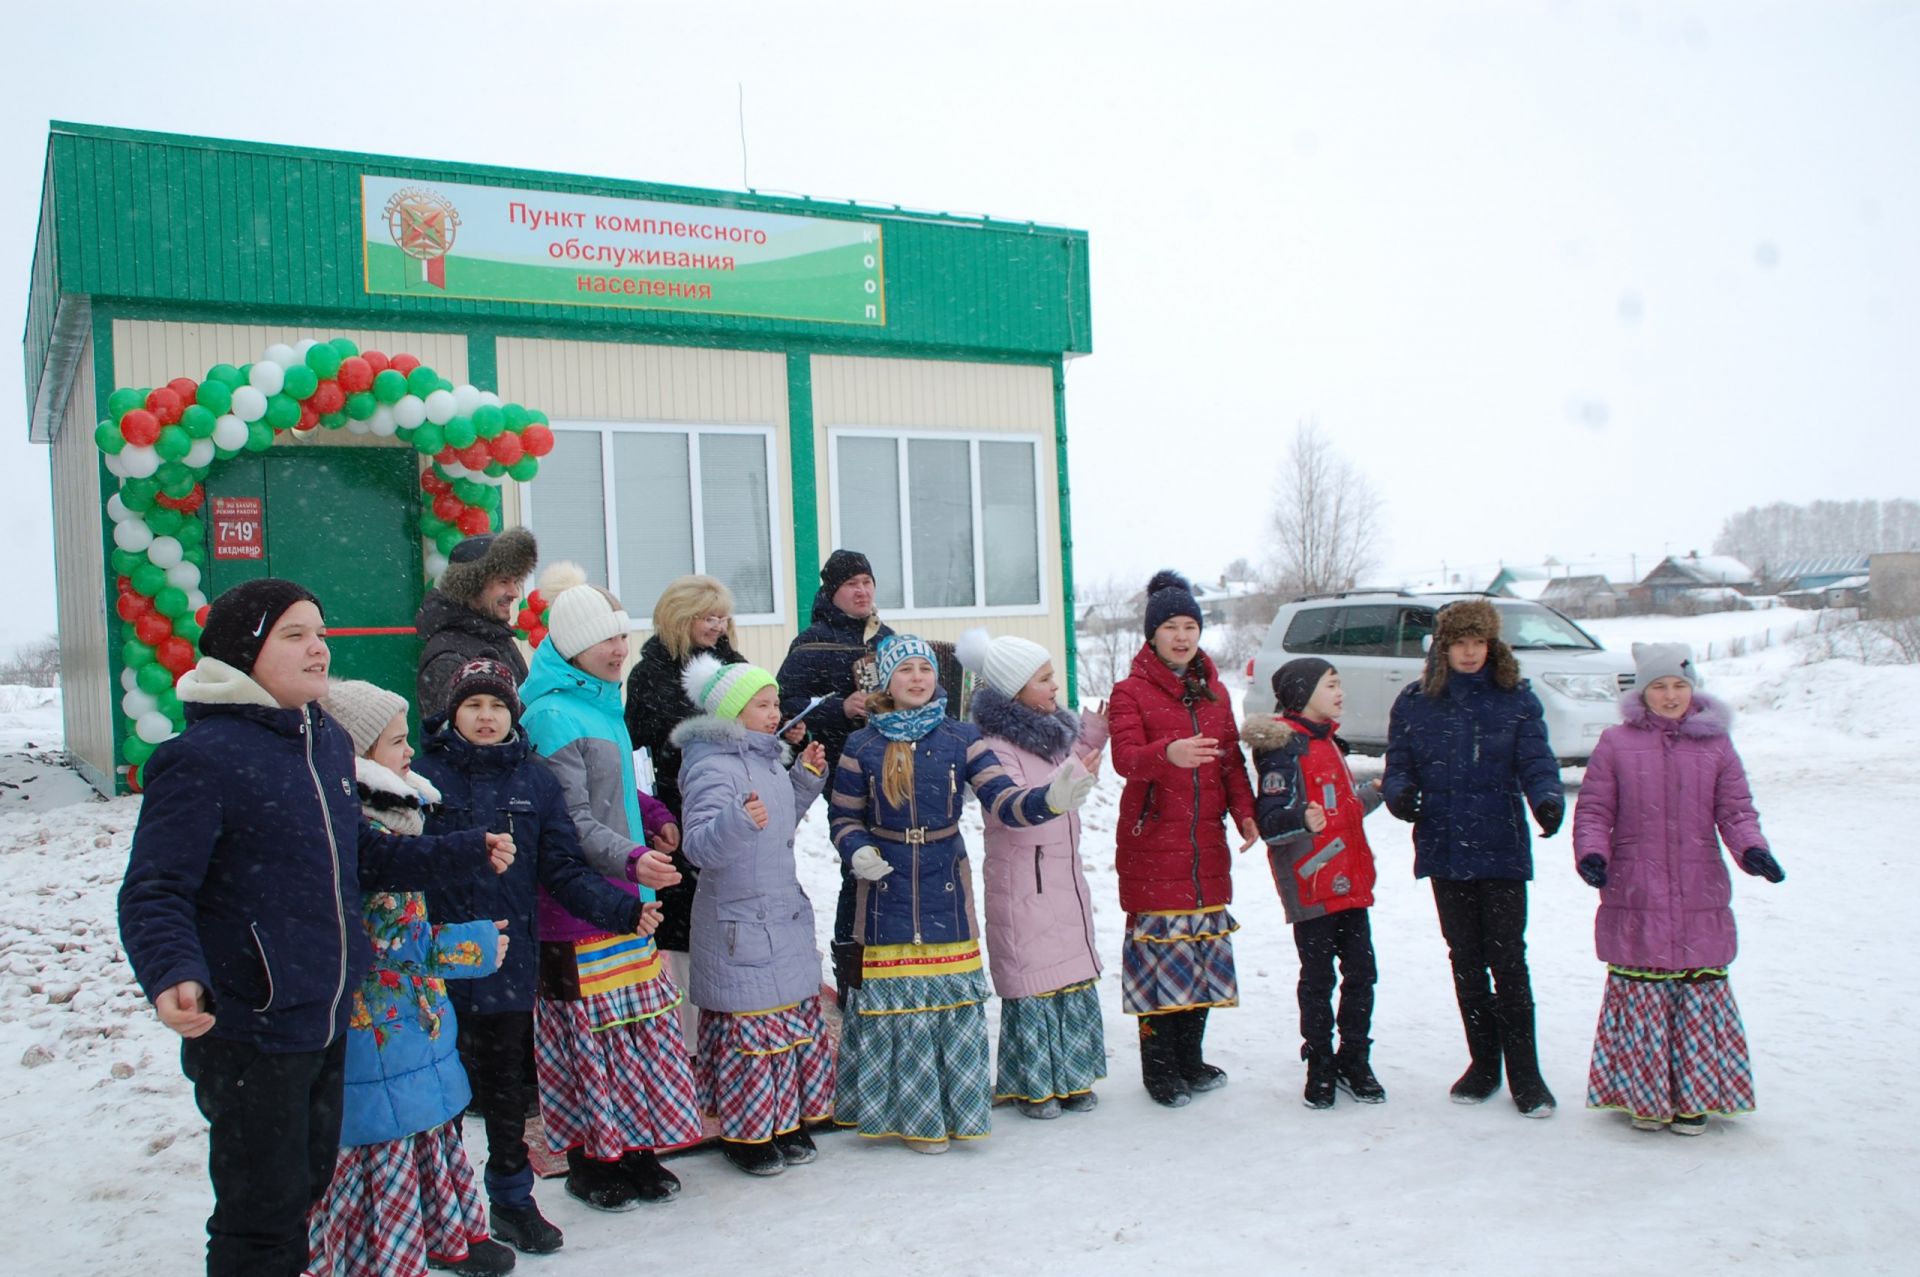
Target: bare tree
1106 628
1325 525
34 664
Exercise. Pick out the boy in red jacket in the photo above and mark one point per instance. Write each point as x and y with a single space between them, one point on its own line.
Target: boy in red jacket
1310 815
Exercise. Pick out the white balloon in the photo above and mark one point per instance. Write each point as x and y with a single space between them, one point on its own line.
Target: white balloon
133 535
199 453
280 353
117 509
466 399
183 574
436 564
230 432
300 349
442 407
358 427
382 422
454 470
129 679
136 702
164 552
249 404
490 399
115 466
195 601
153 727
267 377
409 411
139 462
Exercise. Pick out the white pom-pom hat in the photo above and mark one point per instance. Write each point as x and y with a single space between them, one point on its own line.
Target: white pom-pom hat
579 615
1007 663
721 689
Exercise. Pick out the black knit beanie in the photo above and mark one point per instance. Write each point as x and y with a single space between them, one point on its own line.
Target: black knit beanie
843 566
239 621
484 676
1293 683
1168 596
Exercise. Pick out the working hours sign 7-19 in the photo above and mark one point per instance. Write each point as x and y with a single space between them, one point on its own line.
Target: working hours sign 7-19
493 243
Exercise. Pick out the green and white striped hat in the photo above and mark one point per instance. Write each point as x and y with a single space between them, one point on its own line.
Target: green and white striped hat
722 690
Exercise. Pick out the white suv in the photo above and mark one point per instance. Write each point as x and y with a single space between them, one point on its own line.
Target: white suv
1377 639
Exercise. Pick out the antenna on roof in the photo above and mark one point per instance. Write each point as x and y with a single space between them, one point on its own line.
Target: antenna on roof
748 186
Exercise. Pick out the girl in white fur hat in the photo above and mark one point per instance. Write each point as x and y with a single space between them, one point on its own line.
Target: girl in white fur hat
1040 945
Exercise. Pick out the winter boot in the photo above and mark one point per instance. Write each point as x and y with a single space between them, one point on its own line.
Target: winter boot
599 1184
1524 1083
651 1181
1044 1110
1355 1076
1321 1075
1482 1078
754 1159
1085 1102
484 1259
796 1147
1695 1125
1160 1063
526 1229
940 1145
1200 1075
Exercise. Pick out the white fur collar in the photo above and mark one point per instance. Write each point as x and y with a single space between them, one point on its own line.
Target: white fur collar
214 682
383 780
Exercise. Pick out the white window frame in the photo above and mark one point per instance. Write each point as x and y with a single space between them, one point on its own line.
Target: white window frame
973 438
778 550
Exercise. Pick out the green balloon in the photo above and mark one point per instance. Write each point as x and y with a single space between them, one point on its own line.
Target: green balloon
164 523
430 525
199 421
107 438
429 439
188 628
361 405
171 602
169 702
178 484
125 561
301 381
323 361
467 490
225 454
344 347
225 374
495 470
538 416
191 533
448 538
259 436
173 443
215 396
138 494
444 384
460 432
283 410
525 468
489 421
135 750
333 420
389 385
149 579
517 417
123 401
134 654
154 678
423 381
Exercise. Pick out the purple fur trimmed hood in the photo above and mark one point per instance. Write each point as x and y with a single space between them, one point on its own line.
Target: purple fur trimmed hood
1705 718
1049 736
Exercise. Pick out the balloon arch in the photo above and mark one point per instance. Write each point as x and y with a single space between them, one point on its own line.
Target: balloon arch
162 444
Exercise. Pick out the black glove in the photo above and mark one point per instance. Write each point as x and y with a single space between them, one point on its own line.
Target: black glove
1759 862
1550 813
1405 805
1593 869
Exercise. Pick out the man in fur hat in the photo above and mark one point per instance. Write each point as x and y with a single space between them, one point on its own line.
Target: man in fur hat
469 615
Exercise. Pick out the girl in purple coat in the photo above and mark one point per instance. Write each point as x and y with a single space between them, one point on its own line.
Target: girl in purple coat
1670 1048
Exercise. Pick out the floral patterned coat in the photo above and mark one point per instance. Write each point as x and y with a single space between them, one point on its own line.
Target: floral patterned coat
403 1075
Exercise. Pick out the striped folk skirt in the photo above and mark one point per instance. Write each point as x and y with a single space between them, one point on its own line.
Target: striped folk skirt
393 1207
613 1071
1670 1044
1052 1046
763 1073
1178 960
913 1045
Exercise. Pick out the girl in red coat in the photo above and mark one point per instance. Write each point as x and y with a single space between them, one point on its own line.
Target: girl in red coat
1174 740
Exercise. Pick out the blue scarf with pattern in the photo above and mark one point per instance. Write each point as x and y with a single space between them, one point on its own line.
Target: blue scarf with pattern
910 724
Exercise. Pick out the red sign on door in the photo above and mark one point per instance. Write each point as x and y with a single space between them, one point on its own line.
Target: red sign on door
237 528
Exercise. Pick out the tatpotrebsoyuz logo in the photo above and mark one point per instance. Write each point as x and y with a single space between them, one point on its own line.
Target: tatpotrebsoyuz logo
423 224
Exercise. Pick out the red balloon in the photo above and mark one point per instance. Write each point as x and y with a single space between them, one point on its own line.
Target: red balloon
446 456
528 620
123 583
474 521
448 508
308 417
176 654
537 439
376 362
189 504
507 448
431 482
327 397
403 364
140 427
131 607
186 388
476 456
355 374
537 636
165 404
152 629
200 617
133 778
535 603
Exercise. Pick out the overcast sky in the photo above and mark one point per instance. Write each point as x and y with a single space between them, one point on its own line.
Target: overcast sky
1564 278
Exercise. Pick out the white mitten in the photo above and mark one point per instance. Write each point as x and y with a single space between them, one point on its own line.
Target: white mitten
868 863
1069 789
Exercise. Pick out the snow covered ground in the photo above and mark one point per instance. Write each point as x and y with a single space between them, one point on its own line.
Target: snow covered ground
105 1154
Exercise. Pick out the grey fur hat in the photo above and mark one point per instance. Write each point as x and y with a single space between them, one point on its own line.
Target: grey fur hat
477 560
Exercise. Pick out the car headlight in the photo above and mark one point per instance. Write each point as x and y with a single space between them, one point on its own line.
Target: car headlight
1583 687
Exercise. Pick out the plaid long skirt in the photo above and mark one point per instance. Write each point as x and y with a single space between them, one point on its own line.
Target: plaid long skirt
1052 1046
763 1073
1670 1044
615 1089
392 1207
914 1060
1178 960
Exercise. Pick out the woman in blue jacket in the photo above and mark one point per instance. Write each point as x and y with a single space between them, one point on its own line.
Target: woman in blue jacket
1467 753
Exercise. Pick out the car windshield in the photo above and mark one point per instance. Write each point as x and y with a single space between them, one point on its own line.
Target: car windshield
1528 626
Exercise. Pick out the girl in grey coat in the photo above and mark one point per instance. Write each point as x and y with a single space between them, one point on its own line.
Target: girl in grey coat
764 1064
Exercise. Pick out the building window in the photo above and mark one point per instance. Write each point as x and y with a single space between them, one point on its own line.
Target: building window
638 505
950 522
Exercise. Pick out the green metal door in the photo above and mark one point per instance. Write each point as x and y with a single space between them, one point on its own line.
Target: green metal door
345 523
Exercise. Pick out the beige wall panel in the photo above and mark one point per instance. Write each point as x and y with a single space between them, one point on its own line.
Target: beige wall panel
89 698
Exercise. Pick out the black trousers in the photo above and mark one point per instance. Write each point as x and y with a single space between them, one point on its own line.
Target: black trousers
497 1052
1485 925
1346 936
275 1120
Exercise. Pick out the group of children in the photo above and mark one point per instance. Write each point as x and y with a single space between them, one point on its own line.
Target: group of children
507 876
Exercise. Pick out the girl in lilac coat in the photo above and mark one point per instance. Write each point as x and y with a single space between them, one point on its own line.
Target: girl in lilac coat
1663 790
